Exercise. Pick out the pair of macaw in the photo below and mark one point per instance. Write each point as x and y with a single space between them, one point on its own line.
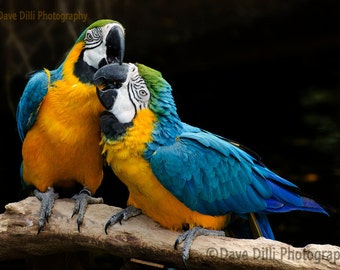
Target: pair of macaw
181 176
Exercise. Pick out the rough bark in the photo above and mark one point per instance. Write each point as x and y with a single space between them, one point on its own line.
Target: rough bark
141 238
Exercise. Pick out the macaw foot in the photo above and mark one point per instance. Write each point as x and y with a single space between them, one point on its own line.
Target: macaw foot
81 201
125 214
189 236
47 199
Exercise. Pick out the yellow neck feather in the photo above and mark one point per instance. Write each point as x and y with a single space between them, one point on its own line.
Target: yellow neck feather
133 142
70 61
71 92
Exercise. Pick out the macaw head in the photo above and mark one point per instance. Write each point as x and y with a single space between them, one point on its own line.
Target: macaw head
102 43
127 89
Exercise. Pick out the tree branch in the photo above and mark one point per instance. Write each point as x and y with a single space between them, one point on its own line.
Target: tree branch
141 238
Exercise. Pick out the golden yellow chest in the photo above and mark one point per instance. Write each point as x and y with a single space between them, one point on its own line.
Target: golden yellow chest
146 192
62 147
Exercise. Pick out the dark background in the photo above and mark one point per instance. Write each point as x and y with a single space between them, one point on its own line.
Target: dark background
263 73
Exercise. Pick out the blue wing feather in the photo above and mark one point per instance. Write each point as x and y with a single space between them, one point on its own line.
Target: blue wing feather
32 96
209 175
214 176
29 103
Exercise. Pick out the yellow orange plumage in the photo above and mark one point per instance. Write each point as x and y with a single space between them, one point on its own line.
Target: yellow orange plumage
63 146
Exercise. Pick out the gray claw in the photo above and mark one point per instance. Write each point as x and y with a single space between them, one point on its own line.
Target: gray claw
81 201
125 214
47 199
189 236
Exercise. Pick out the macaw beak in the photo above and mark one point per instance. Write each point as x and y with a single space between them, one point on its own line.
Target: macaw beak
111 73
107 97
110 76
115 45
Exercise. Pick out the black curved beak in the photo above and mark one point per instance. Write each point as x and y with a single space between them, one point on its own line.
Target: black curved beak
111 76
115 45
111 73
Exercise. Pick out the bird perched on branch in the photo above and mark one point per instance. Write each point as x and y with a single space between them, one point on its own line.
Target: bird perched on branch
58 120
182 176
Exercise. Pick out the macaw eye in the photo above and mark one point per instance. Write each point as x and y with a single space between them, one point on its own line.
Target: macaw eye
143 93
88 37
93 38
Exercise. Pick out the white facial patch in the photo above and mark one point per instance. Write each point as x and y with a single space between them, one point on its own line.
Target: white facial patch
131 97
95 47
123 108
93 56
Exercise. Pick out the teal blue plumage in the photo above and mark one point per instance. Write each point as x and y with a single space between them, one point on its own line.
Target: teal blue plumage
211 174
207 173
34 92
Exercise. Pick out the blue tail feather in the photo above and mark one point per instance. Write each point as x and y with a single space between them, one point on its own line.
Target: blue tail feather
245 227
287 197
312 206
264 225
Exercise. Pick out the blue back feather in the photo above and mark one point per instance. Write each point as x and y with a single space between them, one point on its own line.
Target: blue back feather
33 95
211 174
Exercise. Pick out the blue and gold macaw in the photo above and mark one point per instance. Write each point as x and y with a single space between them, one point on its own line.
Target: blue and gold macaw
179 175
58 120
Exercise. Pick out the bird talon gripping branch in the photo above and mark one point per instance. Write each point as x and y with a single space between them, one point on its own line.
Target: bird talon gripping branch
47 201
81 201
125 214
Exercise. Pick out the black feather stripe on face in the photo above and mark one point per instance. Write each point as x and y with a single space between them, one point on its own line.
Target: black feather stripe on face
83 71
111 127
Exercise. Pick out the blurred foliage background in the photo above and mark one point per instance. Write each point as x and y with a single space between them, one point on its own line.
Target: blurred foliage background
263 73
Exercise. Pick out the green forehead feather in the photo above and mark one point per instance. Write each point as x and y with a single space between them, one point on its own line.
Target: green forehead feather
98 23
161 100
152 77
